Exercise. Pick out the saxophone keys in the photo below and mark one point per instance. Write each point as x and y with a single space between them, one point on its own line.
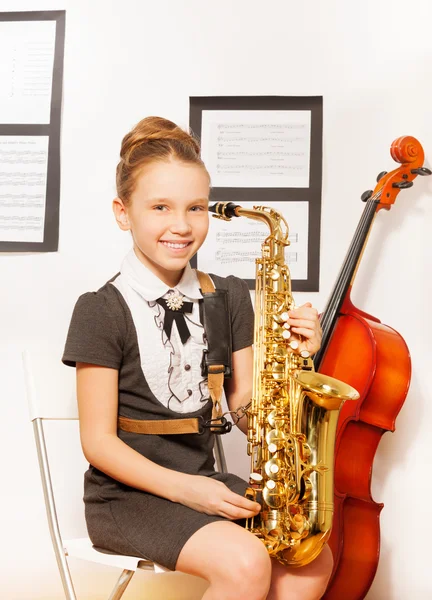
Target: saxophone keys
305 354
294 344
275 420
274 469
255 478
274 494
284 316
286 334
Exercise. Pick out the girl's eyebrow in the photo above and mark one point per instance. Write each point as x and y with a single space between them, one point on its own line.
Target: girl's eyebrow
159 200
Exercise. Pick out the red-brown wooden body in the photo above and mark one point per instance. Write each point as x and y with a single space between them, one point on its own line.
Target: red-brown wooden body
375 360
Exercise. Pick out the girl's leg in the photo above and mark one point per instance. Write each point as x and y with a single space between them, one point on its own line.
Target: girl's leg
303 583
232 560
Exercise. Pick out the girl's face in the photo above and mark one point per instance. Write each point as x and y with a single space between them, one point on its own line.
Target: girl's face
167 216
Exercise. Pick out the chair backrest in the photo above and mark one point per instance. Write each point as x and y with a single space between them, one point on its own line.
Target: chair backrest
51 389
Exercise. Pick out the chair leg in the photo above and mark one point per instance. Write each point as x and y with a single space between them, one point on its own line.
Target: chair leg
219 455
121 585
51 511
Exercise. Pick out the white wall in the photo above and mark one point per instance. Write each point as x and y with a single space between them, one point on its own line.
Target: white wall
371 60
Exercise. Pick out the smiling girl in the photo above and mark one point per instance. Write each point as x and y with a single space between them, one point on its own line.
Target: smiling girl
138 345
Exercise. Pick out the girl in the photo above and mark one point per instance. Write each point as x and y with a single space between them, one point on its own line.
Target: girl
158 496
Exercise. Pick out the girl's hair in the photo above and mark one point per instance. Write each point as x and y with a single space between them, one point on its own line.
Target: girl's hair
152 139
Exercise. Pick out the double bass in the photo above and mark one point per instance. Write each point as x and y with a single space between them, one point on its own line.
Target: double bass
374 359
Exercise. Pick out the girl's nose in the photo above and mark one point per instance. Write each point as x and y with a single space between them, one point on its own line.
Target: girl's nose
180 224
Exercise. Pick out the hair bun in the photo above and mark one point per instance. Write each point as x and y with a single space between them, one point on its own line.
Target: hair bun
154 129
153 139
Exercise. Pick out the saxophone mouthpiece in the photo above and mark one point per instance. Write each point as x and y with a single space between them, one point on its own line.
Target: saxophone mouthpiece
224 210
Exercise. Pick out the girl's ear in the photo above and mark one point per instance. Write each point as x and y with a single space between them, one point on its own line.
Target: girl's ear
120 214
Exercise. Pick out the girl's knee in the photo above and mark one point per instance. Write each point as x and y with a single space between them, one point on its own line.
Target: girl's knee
235 562
304 583
249 568
324 568
255 562
319 575
323 565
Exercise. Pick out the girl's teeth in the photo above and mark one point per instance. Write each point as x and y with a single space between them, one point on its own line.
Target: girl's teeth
171 245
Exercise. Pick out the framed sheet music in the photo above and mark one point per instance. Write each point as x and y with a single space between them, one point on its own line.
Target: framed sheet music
262 150
32 47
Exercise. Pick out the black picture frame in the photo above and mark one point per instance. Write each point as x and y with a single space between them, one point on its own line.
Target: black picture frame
52 130
261 196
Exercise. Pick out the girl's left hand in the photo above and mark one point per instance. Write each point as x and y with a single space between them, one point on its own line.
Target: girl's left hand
304 322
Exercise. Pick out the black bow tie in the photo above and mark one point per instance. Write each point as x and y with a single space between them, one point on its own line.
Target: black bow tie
177 315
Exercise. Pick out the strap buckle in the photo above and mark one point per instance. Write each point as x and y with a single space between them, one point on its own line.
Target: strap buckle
218 426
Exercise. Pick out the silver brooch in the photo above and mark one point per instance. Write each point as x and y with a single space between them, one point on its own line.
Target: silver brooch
174 300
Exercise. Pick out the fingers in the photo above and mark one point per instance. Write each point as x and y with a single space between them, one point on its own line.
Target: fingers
233 511
239 507
243 502
304 312
304 331
304 325
304 321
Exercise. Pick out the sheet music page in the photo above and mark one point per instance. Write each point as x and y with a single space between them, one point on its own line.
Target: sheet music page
257 148
26 71
232 247
23 182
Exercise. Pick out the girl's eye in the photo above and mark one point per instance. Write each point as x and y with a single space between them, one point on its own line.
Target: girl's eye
160 207
197 208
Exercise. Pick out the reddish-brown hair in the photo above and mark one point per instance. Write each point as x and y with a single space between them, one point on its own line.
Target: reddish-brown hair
152 139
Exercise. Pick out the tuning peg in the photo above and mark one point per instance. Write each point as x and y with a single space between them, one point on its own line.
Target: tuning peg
366 195
421 171
402 185
381 175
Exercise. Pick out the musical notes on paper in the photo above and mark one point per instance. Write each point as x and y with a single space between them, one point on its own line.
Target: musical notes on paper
26 71
23 180
232 247
227 256
257 148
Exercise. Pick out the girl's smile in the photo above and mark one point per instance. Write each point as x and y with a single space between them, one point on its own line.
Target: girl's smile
176 245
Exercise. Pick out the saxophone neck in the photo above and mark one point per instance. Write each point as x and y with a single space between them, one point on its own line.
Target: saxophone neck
277 240
277 225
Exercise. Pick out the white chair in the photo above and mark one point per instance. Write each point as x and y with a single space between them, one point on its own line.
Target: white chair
51 396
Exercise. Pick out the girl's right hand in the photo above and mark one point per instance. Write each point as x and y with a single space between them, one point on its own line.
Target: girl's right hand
213 497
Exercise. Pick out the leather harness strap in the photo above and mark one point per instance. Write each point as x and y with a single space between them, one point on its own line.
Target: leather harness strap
215 372
205 282
162 427
179 426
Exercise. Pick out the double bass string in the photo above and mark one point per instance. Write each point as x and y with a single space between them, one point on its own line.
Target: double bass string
341 279
351 258
346 272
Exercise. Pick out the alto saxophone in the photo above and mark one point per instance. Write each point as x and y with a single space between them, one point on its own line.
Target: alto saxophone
292 416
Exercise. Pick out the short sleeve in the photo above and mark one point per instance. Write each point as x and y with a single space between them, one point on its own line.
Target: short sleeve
242 315
94 334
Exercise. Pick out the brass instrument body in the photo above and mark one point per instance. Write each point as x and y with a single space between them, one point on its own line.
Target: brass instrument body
292 417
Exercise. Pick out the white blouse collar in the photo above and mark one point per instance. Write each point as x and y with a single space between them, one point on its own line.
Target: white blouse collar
150 287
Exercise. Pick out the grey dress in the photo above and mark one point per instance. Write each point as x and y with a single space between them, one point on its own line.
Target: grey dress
120 518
